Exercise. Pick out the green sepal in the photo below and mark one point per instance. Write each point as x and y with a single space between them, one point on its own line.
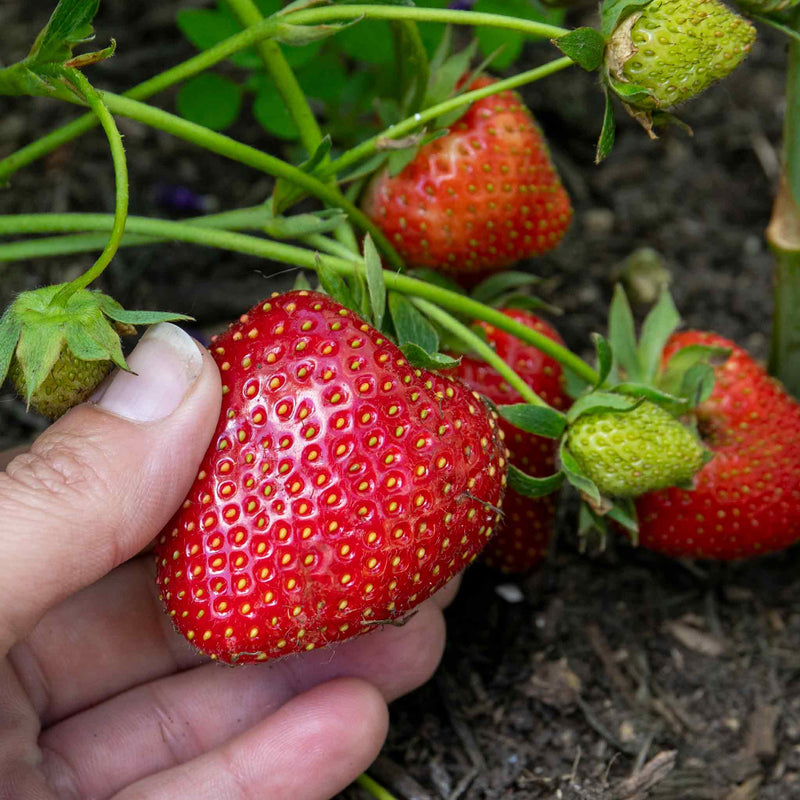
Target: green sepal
286 194
608 133
299 225
675 404
99 329
662 321
632 93
332 283
622 336
612 12
376 283
497 285
576 476
113 310
82 344
10 329
605 358
301 282
585 46
597 402
539 420
411 326
528 486
421 359
623 512
689 373
299 35
445 78
37 351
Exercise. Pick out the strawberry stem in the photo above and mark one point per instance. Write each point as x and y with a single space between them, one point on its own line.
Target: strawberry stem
95 101
481 348
299 257
415 122
374 788
783 235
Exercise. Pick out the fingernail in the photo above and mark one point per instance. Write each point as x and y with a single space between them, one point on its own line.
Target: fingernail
166 363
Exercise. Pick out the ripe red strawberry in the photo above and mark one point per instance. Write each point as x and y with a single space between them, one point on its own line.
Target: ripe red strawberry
477 200
341 489
521 542
747 498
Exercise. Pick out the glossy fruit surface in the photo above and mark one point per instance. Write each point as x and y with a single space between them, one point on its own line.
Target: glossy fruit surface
522 541
342 486
478 199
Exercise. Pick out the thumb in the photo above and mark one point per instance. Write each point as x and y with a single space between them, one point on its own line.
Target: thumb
101 482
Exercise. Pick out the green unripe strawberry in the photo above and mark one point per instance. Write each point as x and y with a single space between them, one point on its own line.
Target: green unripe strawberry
628 453
69 382
674 49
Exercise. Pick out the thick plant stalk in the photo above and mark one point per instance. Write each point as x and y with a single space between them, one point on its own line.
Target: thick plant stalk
783 235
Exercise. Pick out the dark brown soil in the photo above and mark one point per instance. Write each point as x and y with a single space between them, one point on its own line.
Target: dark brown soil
616 676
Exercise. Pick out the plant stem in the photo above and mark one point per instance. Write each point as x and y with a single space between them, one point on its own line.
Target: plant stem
312 16
237 151
158 83
783 235
479 346
374 788
77 78
413 123
281 73
307 259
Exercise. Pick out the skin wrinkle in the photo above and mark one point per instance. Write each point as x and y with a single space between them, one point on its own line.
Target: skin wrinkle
32 677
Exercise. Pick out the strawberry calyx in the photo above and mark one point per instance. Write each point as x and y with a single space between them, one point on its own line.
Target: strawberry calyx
57 353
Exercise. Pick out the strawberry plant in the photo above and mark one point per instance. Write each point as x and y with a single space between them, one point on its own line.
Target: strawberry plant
382 428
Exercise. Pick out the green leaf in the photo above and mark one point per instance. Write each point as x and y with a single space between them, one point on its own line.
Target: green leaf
613 11
369 41
69 25
334 286
662 321
205 28
496 285
539 420
10 328
622 335
605 143
605 358
323 78
286 193
576 476
528 486
271 112
410 325
421 359
38 350
210 100
375 281
597 402
585 46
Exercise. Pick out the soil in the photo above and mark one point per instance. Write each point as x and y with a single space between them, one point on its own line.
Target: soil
614 675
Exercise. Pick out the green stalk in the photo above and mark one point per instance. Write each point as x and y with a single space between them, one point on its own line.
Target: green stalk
414 123
481 348
177 74
307 259
121 180
783 236
244 154
315 16
374 788
278 68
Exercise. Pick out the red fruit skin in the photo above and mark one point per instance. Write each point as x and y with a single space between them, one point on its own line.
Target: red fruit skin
342 487
747 498
522 541
477 200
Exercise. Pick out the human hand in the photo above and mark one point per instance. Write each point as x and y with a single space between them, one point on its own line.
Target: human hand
99 697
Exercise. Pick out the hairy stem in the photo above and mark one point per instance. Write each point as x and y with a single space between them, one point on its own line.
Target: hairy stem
77 78
481 348
307 259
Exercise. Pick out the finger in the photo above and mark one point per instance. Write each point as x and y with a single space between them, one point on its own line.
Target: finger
309 750
103 480
158 725
114 635
161 726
